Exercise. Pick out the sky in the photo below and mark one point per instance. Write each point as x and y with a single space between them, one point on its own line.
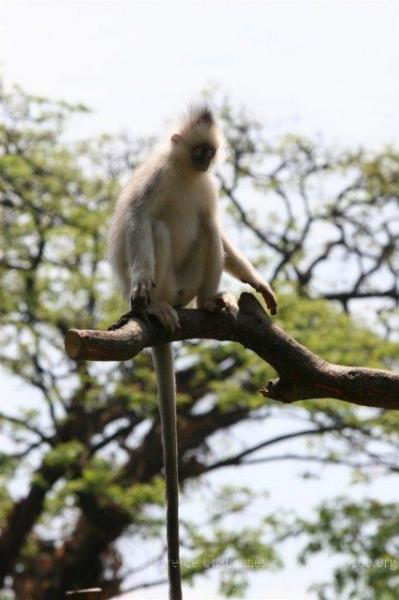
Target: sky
327 69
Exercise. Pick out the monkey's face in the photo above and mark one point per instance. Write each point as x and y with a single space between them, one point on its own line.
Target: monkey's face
201 156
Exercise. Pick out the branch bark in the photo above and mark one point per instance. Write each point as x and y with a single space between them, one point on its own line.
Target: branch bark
301 374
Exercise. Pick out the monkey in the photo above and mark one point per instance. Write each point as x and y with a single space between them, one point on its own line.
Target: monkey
167 249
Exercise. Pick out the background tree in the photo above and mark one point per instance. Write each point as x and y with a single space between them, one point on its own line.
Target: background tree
81 459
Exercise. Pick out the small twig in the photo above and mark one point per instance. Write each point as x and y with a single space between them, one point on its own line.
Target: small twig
88 594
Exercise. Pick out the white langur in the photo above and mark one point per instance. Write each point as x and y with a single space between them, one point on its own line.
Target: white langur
166 248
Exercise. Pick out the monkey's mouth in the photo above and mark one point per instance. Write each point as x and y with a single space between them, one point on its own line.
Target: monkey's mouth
202 165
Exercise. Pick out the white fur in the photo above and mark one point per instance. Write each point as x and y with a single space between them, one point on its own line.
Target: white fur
165 227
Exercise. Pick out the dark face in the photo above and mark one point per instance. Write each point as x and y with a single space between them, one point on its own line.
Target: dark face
201 156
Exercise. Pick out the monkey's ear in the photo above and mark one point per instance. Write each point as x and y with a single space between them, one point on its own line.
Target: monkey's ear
176 138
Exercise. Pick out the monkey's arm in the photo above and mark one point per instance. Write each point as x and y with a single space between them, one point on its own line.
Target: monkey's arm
237 265
140 256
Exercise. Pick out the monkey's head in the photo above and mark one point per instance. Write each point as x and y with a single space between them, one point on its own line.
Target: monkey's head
196 145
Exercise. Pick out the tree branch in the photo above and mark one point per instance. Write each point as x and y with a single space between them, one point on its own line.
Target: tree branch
302 374
237 459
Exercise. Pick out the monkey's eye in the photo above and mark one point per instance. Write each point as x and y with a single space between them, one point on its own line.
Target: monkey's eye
207 150
197 152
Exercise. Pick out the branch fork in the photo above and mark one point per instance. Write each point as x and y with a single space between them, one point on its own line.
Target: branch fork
301 374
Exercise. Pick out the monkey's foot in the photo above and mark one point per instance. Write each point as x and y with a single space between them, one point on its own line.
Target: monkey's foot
166 315
122 321
140 294
222 301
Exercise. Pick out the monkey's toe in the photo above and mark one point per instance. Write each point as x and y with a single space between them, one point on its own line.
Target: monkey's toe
222 301
166 315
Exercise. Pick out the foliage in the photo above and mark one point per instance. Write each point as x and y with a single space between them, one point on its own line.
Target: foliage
81 462
367 534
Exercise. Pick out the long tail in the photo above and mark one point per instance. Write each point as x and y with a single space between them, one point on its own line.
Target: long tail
164 367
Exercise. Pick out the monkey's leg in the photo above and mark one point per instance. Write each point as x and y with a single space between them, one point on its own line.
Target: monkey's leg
165 278
237 265
190 274
212 265
213 262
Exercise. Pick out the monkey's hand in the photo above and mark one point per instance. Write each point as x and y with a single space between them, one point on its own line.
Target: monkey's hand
222 301
140 298
268 295
140 294
138 310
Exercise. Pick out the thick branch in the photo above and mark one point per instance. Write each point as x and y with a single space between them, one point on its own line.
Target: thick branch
302 374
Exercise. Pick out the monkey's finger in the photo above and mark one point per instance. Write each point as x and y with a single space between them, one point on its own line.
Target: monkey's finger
141 292
271 304
140 295
170 318
270 300
174 322
147 297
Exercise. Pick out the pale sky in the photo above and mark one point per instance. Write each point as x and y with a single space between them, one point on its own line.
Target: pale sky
329 67
326 68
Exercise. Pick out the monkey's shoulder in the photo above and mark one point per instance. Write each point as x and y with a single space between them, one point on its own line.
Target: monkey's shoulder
143 185
147 186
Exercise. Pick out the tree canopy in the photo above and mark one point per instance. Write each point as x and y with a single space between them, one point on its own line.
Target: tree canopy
81 490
